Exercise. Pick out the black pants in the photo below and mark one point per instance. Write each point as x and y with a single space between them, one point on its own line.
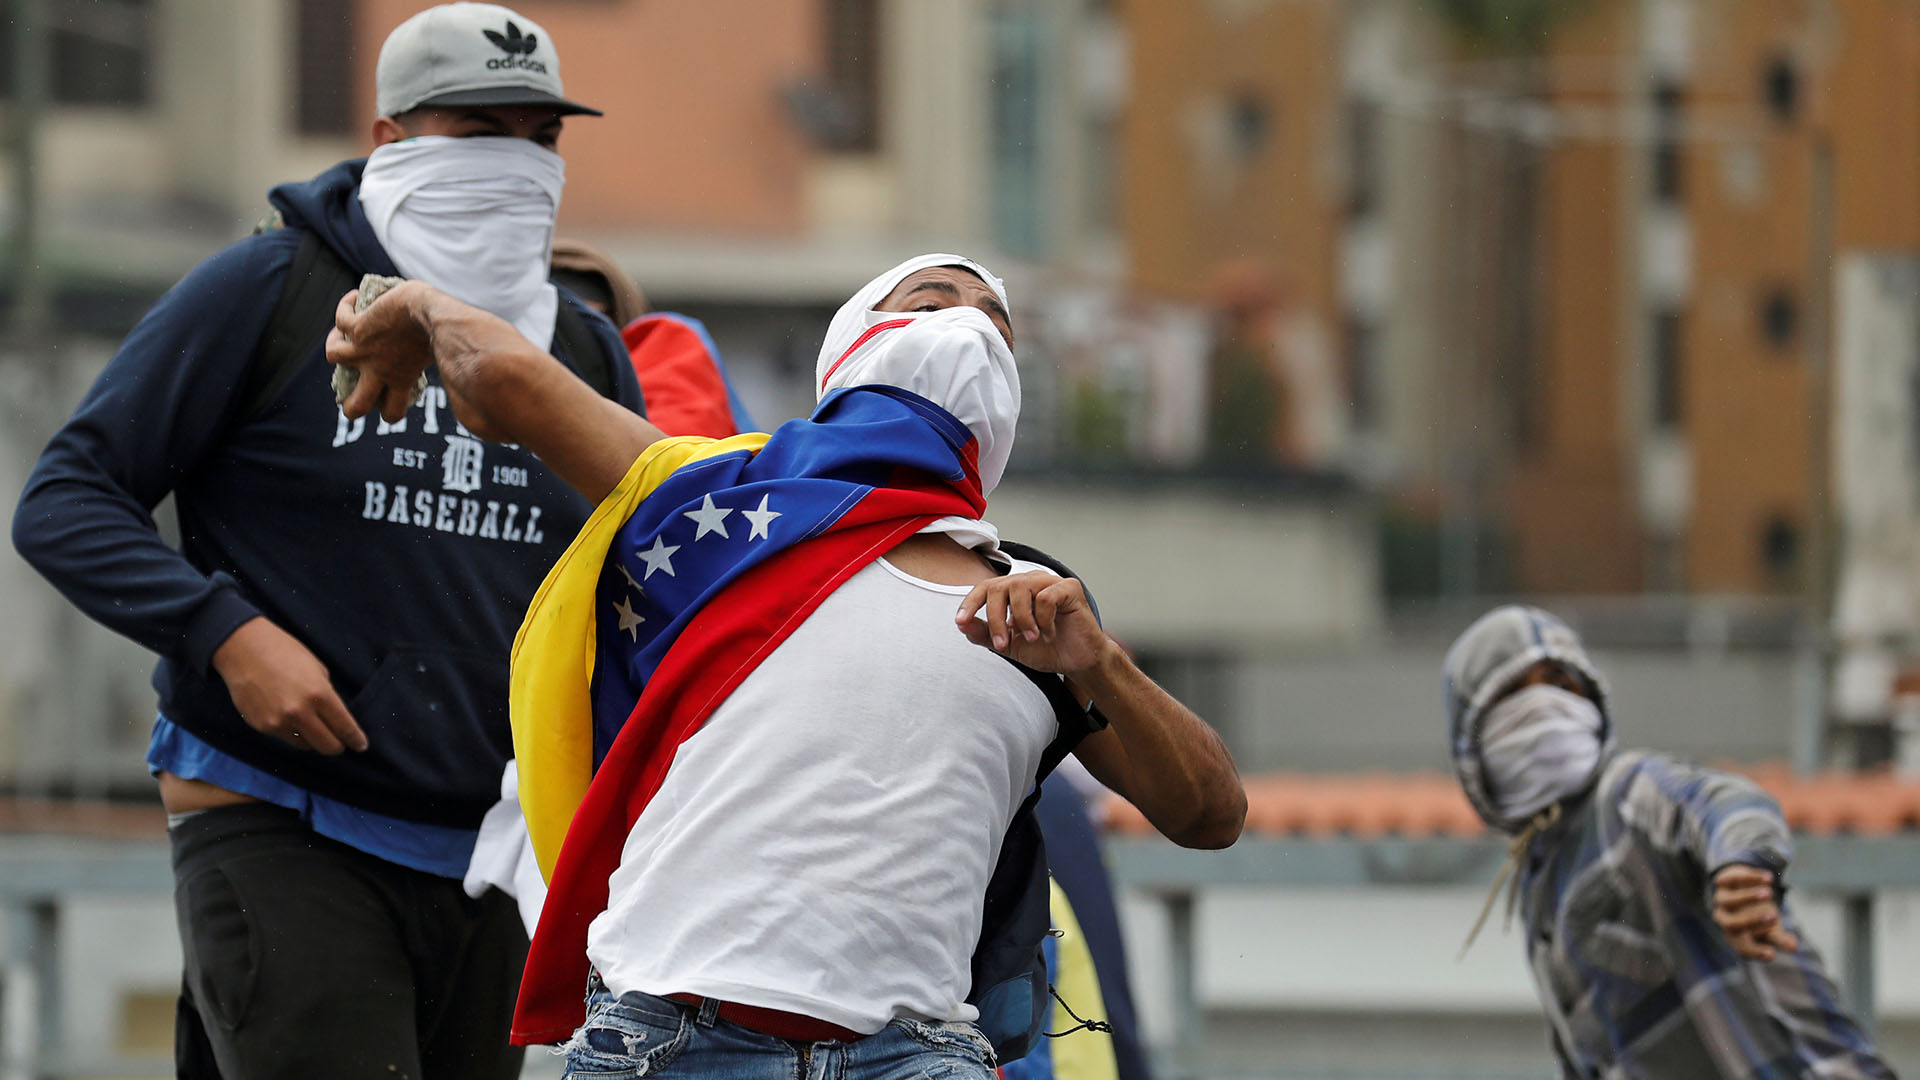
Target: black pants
308 959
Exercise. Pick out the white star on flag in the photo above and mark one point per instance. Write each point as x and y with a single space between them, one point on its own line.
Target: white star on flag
628 574
629 622
761 518
659 557
710 518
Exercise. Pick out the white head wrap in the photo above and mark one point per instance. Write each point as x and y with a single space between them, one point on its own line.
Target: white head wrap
1541 745
954 357
473 218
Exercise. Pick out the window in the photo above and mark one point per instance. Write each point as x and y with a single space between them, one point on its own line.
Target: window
323 57
1363 156
1780 551
1669 403
1780 89
1779 317
853 68
1363 364
1249 124
102 52
840 111
1668 117
1020 58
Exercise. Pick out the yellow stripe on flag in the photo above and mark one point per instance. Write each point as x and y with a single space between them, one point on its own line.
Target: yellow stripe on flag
548 698
1083 1055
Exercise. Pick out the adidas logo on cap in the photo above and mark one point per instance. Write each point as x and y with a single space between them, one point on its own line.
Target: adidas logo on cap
514 44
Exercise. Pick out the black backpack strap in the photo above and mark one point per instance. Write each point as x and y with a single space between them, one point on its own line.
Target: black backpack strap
301 318
317 280
1029 553
1075 722
574 337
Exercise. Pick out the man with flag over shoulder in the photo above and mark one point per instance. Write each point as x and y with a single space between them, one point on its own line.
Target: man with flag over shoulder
769 742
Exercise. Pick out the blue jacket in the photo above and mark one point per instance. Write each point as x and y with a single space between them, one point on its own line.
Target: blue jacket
403 555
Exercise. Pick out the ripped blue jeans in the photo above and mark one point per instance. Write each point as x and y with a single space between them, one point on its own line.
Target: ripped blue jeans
638 1035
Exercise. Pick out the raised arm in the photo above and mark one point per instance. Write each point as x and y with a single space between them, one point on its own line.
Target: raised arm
499 384
1719 818
1734 833
1156 753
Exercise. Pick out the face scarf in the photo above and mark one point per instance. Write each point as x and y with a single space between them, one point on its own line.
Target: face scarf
473 218
1540 745
954 357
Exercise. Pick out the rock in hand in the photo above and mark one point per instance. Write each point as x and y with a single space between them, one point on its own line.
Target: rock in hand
345 378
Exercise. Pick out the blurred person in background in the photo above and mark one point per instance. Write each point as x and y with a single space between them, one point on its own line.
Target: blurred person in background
1072 1049
334 630
682 377
1650 889
784 733
1089 965
593 276
1274 389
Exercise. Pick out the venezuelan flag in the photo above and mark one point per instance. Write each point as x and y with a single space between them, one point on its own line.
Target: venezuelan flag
694 569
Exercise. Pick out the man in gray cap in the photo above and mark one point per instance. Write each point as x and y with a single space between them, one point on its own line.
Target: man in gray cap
333 630
1651 889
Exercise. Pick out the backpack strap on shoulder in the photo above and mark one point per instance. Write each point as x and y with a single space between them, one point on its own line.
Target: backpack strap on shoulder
574 337
316 281
1075 722
301 318
1029 553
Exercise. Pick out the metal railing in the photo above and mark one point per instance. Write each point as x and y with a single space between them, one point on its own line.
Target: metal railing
1849 868
39 873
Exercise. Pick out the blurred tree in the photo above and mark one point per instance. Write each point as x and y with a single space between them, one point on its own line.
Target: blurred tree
1503 27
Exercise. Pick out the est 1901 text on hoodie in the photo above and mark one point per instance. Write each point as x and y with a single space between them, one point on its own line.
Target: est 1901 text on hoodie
403 555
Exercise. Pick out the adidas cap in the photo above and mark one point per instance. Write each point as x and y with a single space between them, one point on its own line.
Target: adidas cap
468 54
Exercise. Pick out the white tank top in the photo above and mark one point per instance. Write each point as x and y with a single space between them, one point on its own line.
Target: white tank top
822 845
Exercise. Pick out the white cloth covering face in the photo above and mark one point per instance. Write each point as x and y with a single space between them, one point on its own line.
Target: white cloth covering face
473 217
957 359
1541 744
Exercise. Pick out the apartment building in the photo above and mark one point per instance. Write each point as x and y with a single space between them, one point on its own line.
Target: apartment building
1580 273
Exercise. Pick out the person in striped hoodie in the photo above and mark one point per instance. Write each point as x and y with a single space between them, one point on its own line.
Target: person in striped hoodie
1651 890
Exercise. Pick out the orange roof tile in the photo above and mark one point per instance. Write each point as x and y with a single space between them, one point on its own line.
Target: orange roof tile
1419 804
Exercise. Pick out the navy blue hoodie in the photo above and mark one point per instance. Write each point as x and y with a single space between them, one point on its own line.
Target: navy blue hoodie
403 555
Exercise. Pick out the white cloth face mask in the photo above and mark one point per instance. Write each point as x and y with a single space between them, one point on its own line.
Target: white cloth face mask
990 407
1541 744
857 315
955 358
473 217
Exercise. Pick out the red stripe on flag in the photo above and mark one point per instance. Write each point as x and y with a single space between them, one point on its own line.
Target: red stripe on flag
890 324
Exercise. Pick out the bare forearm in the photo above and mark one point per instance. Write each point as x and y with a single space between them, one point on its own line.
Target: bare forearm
505 389
1163 758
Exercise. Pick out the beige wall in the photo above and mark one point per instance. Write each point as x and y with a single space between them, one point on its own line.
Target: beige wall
1569 504
1871 113
1180 217
695 136
1747 415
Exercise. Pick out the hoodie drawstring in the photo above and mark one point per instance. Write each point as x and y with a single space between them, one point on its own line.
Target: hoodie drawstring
1509 868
